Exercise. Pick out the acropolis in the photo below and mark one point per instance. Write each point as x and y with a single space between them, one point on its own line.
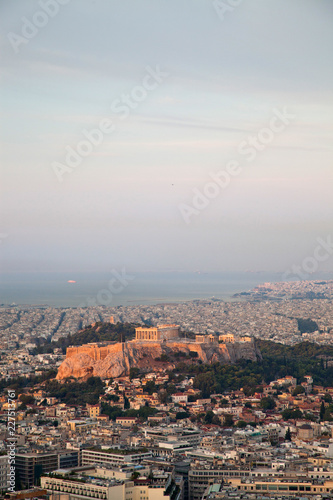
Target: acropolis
158 333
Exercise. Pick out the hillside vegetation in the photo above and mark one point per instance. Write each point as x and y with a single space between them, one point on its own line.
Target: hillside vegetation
301 350
100 332
278 360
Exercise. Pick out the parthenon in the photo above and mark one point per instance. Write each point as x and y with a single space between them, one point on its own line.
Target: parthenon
157 333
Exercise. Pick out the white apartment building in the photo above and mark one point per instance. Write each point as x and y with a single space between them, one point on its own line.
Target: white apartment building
79 489
97 457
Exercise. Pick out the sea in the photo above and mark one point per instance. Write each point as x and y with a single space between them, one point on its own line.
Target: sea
88 289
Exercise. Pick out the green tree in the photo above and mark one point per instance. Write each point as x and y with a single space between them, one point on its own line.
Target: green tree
171 389
241 424
228 420
307 325
126 403
150 387
327 415
206 382
111 411
216 420
112 397
297 413
288 414
134 373
146 411
299 389
287 437
163 396
322 410
181 415
27 399
328 398
209 417
73 392
164 358
267 403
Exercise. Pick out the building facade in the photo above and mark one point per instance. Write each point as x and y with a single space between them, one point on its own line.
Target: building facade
30 466
206 339
158 333
94 410
227 338
80 489
106 459
4 472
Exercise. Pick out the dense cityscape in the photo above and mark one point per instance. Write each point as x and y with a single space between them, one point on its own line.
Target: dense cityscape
269 312
164 433
166 280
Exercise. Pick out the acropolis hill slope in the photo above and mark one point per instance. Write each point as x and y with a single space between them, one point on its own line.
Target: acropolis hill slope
115 359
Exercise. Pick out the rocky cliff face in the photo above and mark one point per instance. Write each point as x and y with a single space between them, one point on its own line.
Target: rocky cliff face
123 356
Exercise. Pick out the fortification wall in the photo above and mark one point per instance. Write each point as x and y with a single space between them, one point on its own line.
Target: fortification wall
82 349
95 352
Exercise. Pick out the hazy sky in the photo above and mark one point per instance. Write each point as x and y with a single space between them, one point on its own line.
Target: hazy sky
198 82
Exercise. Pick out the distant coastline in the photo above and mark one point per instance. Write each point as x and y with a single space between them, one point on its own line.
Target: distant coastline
52 289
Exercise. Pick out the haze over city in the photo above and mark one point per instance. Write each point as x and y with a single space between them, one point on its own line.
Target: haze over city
166 249
209 82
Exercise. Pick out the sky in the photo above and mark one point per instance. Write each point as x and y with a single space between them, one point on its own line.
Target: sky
117 117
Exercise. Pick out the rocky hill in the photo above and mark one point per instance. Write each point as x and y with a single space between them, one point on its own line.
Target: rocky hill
117 359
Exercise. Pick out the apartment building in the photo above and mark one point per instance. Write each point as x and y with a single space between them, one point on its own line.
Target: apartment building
80 488
98 457
4 471
30 466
